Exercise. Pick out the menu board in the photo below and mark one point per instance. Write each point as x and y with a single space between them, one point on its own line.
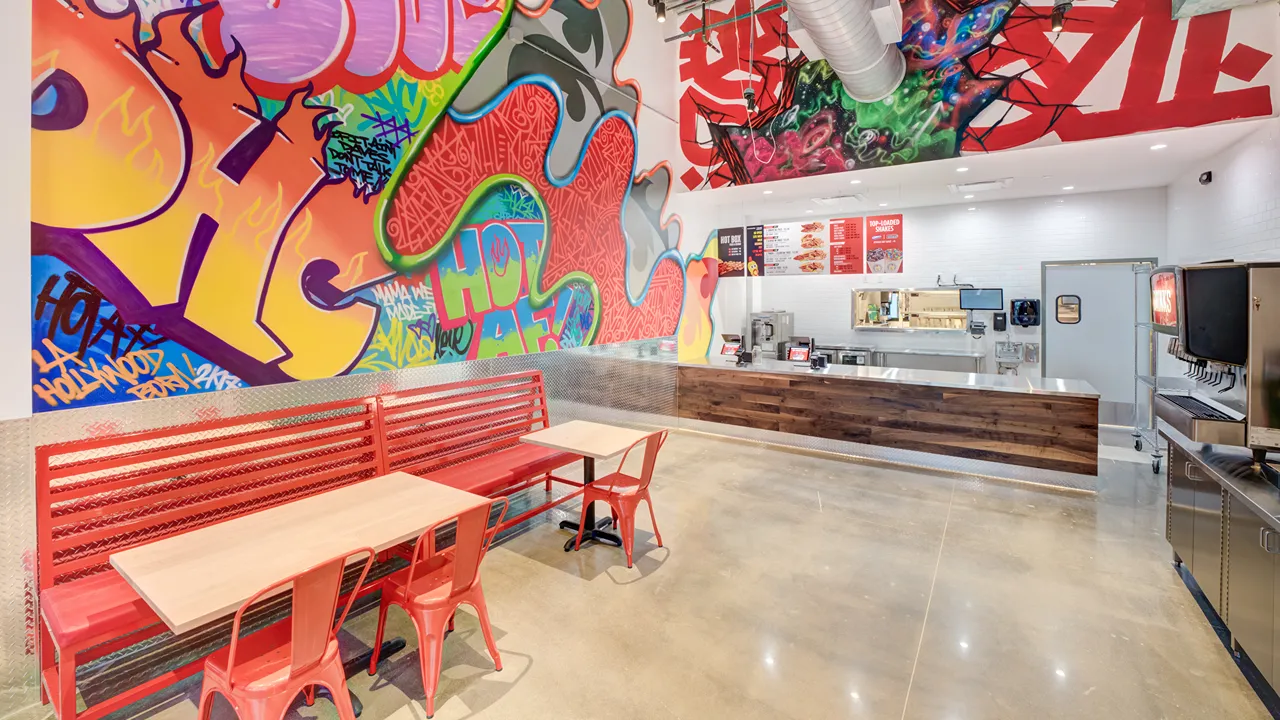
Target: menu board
755 250
846 246
731 251
884 244
796 248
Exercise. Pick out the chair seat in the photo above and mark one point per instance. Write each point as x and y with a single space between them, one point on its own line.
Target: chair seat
616 484
428 588
493 472
94 609
262 659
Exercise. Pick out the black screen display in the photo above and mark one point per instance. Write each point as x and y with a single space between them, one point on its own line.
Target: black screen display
1216 316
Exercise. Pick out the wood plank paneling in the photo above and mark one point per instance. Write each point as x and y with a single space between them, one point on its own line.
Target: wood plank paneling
1040 431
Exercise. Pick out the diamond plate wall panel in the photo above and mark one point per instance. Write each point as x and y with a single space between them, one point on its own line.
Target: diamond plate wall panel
17 550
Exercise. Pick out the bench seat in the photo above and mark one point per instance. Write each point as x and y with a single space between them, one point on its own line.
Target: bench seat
500 470
90 610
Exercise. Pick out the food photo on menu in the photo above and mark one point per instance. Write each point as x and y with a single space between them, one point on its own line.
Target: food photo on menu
811 241
877 260
893 260
813 227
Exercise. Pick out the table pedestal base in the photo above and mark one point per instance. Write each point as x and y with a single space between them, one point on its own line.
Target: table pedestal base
595 531
361 662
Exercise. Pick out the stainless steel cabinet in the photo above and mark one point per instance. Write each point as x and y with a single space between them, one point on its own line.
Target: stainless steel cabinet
1182 508
1251 586
1207 548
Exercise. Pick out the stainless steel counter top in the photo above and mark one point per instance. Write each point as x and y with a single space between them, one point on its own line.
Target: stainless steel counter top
1232 468
1027 385
935 353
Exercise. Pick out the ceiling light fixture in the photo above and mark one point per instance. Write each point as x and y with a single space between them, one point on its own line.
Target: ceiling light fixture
808 211
972 209
884 204
962 169
968 197
1058 18
1160 146
1068 187
662 11
855 182
768 192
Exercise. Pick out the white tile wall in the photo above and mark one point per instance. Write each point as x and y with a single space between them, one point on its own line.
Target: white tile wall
1000 244
1237 216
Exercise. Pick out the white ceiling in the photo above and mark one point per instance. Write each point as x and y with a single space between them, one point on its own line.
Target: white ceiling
1109 164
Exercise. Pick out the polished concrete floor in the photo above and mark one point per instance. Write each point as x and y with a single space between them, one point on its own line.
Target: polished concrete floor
795 586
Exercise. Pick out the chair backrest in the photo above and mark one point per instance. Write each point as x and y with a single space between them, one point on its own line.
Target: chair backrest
441 425
315 600
106 494
652 442
473 534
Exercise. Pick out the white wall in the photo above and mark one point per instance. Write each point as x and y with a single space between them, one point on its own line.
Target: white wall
15 210
1000 244
1237 216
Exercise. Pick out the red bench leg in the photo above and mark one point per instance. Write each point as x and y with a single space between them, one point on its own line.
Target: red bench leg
66 685
47 660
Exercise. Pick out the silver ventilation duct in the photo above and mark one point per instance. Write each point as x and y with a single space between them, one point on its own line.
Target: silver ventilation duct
858 38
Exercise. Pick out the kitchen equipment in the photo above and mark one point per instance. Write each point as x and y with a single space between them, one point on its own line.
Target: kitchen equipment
1000 322
1228 315
770 330
1199 421
853 357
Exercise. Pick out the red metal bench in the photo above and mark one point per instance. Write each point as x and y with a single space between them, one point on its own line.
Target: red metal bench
467 435
103 495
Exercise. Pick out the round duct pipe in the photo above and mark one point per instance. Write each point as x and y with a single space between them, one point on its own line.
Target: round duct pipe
844 30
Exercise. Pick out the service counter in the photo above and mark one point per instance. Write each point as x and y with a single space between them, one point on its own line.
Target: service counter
1018 420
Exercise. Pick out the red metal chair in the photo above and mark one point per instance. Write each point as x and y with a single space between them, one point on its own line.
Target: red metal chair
262 673
435 584
624 493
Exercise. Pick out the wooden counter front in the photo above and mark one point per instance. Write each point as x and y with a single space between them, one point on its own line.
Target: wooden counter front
1052 432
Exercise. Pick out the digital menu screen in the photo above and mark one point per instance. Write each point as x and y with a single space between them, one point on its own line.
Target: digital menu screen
798 354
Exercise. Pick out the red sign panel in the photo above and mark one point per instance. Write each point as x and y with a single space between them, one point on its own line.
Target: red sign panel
846 246
1164 299
884 244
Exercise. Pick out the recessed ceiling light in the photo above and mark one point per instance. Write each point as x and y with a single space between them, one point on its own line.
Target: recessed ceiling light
884 204
1068 187
968 197
962 169
768 192
855 182
1160 146
972 209
808 211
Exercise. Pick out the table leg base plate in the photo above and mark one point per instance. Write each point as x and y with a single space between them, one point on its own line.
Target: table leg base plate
596 534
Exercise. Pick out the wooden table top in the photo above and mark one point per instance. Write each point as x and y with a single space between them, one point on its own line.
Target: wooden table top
200 576
595 440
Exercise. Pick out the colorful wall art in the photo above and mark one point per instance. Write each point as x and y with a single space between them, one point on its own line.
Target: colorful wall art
981 76
240 192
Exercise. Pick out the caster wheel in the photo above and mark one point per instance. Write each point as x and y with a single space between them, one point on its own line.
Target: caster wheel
1155 466
1137 445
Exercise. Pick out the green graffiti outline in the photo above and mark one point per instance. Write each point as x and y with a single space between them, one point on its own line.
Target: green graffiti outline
415 151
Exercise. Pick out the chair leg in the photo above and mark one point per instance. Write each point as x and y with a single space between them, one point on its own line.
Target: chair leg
67 685
482 610
628 532
431 652
383 607
657 535
206 701
334 679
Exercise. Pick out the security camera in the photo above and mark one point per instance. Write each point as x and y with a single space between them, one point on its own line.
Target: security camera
1206 178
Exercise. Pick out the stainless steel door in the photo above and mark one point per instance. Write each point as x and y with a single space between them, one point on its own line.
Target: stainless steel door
1251 587
1182 508
1091 334
1207 547
1264 358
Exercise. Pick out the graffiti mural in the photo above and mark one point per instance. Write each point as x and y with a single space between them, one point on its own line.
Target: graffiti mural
239 193
981 76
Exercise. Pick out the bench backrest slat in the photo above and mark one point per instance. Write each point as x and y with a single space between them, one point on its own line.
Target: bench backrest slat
103 495
435 427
